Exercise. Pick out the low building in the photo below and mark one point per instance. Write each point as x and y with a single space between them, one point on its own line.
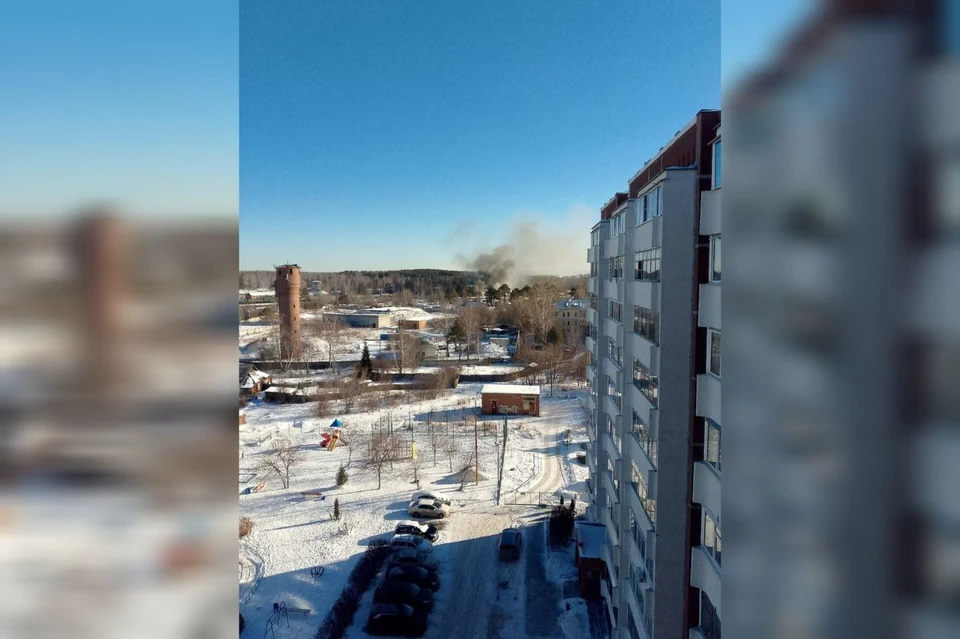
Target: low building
415 324
510 399
364 320
253 380
429 350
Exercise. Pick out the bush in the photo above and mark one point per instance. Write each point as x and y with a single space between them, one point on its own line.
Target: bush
341 614
336 509
342 475
246 525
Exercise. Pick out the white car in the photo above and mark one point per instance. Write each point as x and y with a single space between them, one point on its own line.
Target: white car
411 542
428 508
428 494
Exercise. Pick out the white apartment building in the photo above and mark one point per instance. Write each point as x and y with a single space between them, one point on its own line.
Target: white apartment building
654 337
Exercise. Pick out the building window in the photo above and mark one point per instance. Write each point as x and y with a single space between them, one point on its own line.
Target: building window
618 225
647 443
639 535
715 258
594 270
646 382
616 267
593 301
711 536
595 237
714 353
640 485
648 265
615 352
709 621
716 165
646 323
711 448
614 392
654 203
616 310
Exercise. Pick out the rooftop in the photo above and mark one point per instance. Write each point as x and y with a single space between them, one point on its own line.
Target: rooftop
590 536
510 389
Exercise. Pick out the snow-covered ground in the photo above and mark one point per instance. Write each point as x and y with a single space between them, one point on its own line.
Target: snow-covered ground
294 532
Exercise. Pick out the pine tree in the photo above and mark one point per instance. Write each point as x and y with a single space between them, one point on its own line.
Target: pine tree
336 509
341 476
365 367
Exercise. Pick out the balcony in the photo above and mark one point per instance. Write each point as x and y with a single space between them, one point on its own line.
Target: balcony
591 344
610 446
708 397
707 486
710 220
705 574
592 285
709 315
610 406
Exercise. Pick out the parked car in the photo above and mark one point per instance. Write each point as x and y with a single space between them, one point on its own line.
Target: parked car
416 528
429 494
404 592
428 508
417 575
413 557
413 542
389 619
510 542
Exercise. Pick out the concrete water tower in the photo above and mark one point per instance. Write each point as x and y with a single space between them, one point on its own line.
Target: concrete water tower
288 303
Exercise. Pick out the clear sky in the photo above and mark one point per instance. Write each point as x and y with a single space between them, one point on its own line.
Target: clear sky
372 131
135 102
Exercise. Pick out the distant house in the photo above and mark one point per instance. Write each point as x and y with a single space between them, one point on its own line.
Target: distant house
571 316
253 380
591 568
429 350
510 399
416 324
364 320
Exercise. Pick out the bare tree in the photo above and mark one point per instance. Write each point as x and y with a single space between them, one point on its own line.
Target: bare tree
280 462
435 438
416 463
349 392
381 451
330 329
407 350
467 462
471 319
450 449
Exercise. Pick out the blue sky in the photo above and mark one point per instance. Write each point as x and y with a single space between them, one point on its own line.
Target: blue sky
134 102
372 131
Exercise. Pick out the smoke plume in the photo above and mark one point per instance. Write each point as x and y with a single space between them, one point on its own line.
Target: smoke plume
535 246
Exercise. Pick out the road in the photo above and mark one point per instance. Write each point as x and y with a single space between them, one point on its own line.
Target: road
469 574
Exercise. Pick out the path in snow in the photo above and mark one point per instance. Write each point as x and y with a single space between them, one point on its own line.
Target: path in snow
251 570
469 575
543 596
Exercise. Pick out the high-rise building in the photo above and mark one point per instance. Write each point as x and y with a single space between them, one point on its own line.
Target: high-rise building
654 339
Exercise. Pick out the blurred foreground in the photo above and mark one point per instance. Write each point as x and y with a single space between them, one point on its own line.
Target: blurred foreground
842 348
117 435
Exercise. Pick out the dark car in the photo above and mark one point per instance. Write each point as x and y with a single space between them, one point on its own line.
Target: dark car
413 558
403 620
510 542
404 592
426 531
417 575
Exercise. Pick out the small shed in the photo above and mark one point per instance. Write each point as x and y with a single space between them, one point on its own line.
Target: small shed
591 569
510 399
253 380
416 323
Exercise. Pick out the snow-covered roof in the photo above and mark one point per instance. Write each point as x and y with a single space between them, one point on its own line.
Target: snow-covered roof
510 389
590 536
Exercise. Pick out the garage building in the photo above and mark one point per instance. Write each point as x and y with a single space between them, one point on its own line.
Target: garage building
510 399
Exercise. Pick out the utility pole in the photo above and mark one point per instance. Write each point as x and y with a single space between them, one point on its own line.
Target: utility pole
476 454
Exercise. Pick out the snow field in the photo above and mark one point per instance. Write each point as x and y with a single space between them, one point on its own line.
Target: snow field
293 533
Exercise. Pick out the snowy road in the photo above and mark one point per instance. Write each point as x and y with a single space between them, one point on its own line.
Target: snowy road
469 576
